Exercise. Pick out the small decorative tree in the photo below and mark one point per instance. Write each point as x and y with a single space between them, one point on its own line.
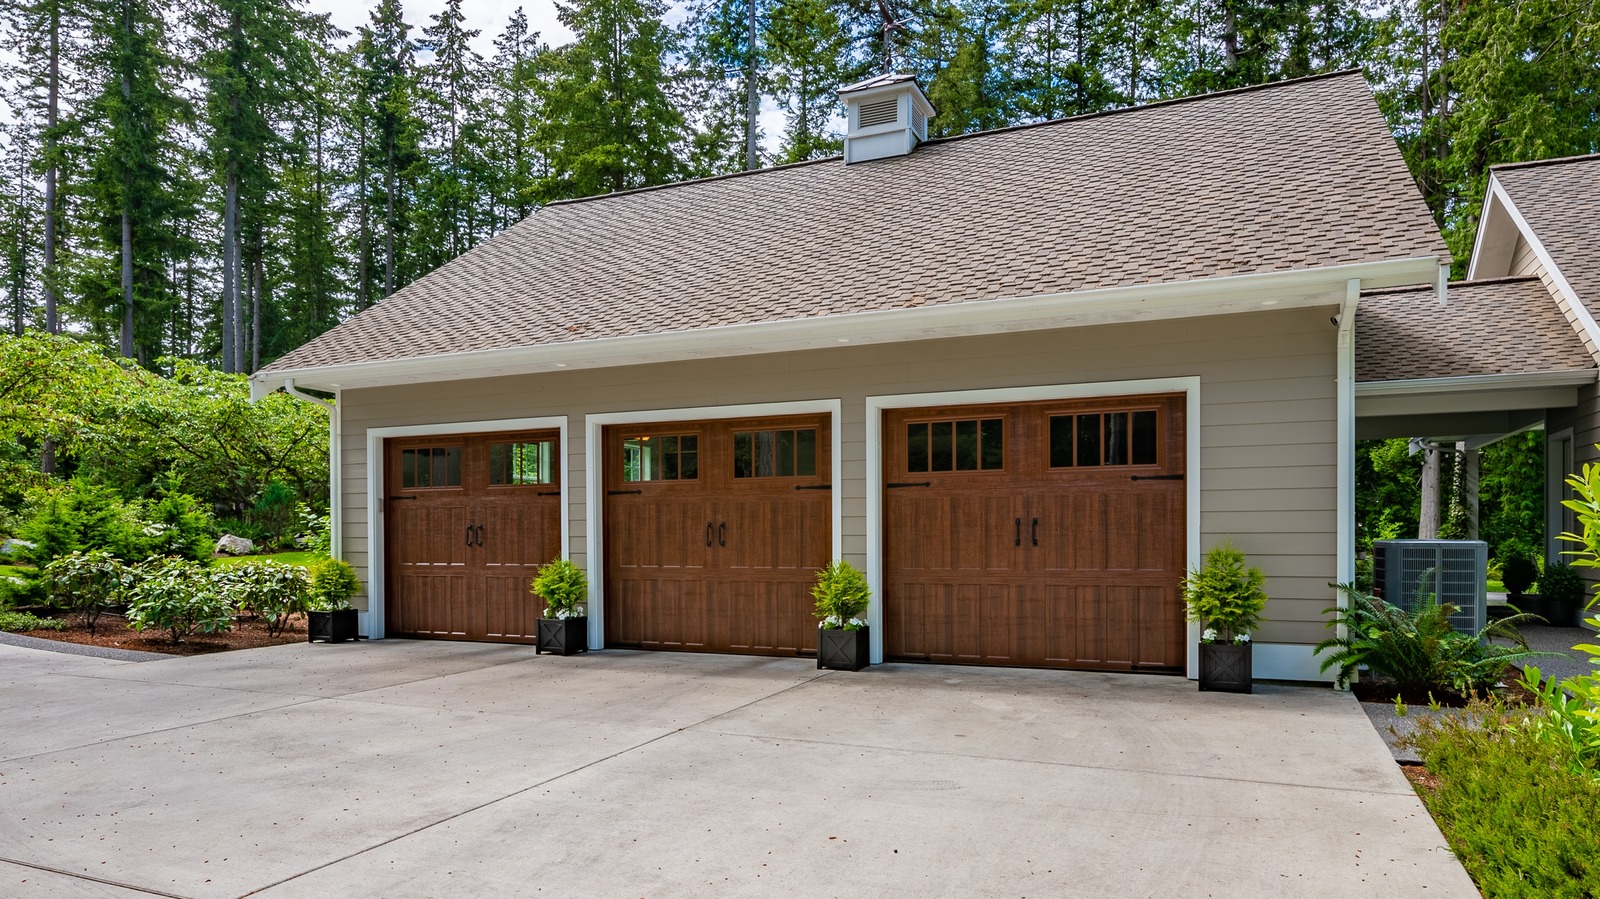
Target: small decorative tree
563 587
88 583
842 596
1225 596
333 582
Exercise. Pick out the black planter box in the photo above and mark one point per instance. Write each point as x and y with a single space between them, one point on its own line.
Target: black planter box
1532 604
1226 668
842 650
331 627
562 636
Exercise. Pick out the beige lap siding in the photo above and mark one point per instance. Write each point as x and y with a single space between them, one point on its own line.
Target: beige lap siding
1267 422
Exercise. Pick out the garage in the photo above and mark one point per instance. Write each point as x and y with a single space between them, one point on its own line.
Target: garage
714 531
468 521
1042 534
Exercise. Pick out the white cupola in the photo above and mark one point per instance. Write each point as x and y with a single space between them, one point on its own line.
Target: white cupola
887 116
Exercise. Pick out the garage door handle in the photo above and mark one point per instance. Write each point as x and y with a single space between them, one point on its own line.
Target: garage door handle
469 535
1019 533
480 535
722 534
708 533
1036 532
1156 477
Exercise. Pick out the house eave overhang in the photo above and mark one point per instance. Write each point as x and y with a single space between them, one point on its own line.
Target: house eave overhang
1471 393
1322 286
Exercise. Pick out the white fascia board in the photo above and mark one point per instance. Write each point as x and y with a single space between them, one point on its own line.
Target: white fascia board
1475 383
1585 321
1145 302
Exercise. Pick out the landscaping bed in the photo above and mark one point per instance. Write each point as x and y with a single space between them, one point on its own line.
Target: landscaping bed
114 633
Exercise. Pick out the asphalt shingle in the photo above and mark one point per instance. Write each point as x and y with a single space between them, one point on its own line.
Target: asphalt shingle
1560 199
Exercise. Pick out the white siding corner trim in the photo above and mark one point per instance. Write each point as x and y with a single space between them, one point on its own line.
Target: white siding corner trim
594 467
372 622
876 405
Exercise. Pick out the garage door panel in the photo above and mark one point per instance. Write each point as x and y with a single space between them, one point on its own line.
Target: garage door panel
1096 486
511 611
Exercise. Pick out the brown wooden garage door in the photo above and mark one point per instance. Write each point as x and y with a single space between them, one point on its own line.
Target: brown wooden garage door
714 532
1036 534
468 521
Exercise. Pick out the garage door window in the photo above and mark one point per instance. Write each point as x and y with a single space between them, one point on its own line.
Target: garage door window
964 445
775 454
435 466
1102 439
517 464
661 457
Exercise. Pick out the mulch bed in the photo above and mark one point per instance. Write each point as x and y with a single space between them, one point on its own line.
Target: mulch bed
111 631
1422 780
1384 693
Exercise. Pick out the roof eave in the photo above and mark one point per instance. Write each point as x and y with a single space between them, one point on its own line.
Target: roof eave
1238 293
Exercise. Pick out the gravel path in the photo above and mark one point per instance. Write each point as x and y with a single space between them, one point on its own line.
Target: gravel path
78 649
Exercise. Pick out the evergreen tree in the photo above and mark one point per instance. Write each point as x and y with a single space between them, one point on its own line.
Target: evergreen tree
515 164
389 156
446 215
725 85
610 123
809 53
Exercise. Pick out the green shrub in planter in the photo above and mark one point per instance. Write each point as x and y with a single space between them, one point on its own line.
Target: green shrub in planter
275 592
180 597
88 583
333 582
1225 596
842 596
563 587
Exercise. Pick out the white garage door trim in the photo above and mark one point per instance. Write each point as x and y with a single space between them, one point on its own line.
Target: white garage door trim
373 623
876 405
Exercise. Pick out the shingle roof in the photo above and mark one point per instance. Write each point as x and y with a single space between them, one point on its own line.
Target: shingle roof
1282 177
1560 198
1498 327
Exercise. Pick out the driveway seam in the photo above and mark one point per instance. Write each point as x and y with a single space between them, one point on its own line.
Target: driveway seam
159 730
964 755
534 786
114 883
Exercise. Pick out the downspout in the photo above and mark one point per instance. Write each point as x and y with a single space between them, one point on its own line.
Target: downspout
1345 504
335 501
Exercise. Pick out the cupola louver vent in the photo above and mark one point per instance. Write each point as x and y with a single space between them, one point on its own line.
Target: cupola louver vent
887 116
881 112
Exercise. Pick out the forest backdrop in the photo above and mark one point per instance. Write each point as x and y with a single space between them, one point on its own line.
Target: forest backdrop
215 182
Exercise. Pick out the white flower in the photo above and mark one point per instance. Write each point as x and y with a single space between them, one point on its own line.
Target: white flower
1242 638
1209 635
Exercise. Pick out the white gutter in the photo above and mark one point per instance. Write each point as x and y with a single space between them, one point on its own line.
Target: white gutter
1237 293
335 503
1345 503
1463 383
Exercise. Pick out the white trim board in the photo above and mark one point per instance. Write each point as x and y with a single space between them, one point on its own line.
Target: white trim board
594 474
877 405
373 623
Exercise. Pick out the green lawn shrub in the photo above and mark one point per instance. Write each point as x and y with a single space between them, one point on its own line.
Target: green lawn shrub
842 595
181 597
333 582
1522 823
563 587
88 583
275 592
27 621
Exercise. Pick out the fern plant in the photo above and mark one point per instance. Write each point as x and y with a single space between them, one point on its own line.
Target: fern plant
563 587
1419 650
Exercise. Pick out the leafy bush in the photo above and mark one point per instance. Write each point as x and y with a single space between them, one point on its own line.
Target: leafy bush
563 588
1518 573
1521 825
316 531
1561 583
1225 596
842 596
1419 650
21 591
88 583
333 582
25 621
181 597
275 592
83 516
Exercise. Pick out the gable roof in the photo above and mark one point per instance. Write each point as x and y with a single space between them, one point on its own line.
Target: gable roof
1506 326
1288 177
1560 201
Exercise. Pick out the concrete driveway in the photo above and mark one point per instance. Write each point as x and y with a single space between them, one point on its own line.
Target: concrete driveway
435 769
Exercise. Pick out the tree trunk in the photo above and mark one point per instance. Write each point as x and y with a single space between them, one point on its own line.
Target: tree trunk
255 311
752 96
230 270
52 318
127 279
1469 487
